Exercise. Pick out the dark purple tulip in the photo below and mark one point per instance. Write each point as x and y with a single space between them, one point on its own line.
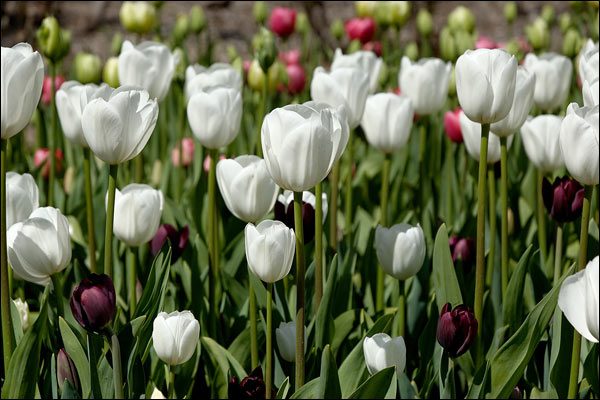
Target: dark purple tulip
462 249
456 329
563 199
251 387
285 214
65 370
178 239
517 393
93 302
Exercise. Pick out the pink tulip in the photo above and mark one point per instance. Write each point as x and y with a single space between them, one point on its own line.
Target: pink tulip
187 146
290 57
41 157
296 78
282 21
452 125
362 29
47 89
484 42
207 161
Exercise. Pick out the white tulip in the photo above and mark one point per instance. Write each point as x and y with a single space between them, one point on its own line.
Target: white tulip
339 122
382 351
522 103
71 99
552 79
286 340
579 143
485 84
138 209
157 394
40 246
214 115
471 132
246 187
540 137
21 197
23 309
387 121
22 79
425 82
175 336
342 86
365 60
400 249
591 91
198 78
578 300
270 248
589 61
300 143
149 65
118 129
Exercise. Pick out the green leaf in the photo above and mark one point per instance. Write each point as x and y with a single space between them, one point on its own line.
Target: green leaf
329 385
508 364
283 389
224 360
513 304
324 323
560 354
407 391
77 354
16 322
377 386
590 368
481 383
446 285
309 390
69 391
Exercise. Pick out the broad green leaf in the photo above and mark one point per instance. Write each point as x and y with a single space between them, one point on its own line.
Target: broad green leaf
94 345
224 360
77 354
284 389
407 391
309 390
590 368
560 354
329 385
446 285
513 304
343 325
69 392
377 386
480 384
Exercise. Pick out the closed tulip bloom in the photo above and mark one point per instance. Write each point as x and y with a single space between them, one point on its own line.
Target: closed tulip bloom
214 115
589 61
138 209
540 137
175 336
40 246
282 21
270 248
284 211
71 99
456 329
425 83
198 78
400 249
382 351
21 197
387 121
365 60
41 161
251 387
300 145
452 125
522 103
362 29
462 249
563 199
246 187
578 300
187 145
22 79
93 302
471 132
149 65
286 340
591 91
345 86
296 78
65 370
485 84
579 143
118 129
177 238
552 79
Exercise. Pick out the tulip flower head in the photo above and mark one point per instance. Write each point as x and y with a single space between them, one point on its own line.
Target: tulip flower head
382 351
456 329
282 21
286 340
362 29
522 103
452 125
541 139
65 370
284 212
47 87
177 238
296 78
400 249
41 161
175 336
270 249
552 79
21 197
462 249
425 83
290 57
93 302
591 91
187 147
137 16
198 78
251 387
367 61
563 199
589 61
387 121
138 209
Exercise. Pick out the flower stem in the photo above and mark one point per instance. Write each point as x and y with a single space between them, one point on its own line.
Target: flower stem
492 217
60 310
504 216
318 245
348 203
480 266
385 178
541 222
89 207
52 136
253 332
401 308
261 115
269 367
335 179
7 328
583 242
558 254
212 247
110 213
131 279
117 375
300 268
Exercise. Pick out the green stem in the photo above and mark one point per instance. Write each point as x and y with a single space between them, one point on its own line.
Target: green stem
131 279
541 222
318 245
253 332
348 203
300 268
504 216
110 213
262 113
269 366
480 266
385 178
422 171
335 179
60 310
492 217
558 254
401 308
52 136
117 375
7 328
583 242
89 207
212 247
138 164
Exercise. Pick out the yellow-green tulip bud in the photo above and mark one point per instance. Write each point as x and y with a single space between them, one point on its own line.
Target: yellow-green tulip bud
538 34
548 14
302 23
138 16
447 45
337 29
277 74
510 11
197 19
383 74
452 83
232 53
399 12
365 8
464 41
181 29
265 50
88 68
412 51
461 18
572 43
565 21
256 76
424 22
354 46
180 67
54 42
512 47
116 44
238 64
260 12
110 73
383 14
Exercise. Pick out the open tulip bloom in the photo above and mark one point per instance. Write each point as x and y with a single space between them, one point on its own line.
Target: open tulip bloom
552 79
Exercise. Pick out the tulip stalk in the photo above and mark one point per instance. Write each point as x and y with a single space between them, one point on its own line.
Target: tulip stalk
348 204
110 212
504 216
212 242
401 308
334 183
262 113
7 328
89 207
52 136
583 244
480 265
385 177
492 217
253 327
558 254
300 268
60 309
541 220
131 279
269 366
117 374
318 245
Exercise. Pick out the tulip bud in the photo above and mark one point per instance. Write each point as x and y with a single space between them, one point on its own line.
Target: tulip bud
175 336
270 249
548 14
187 145
424 22
302 23
116 44
461 19
181 29
572 43
464 41
47 87
337 29
41 161
399 12
452 82
538 34
510 11
66 371
412 51
156 175
110 72
284 212
69 179
177 239
265 49
251 387
256 76
387 121
382 351
456 329
365 8
426 83
282 21
447 45
88 68
563 199
565 21
452 125
23 309
138 16
259 10
462 249
138 208
53 40
362 29
93 302
286 340
400 249
197 19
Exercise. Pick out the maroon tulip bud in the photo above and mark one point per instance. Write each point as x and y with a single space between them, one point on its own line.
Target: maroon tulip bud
375 47
462 249
563 199
452 125
251 387
65 370
285 213
456 329
178 240
282 21
362 29
93 302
